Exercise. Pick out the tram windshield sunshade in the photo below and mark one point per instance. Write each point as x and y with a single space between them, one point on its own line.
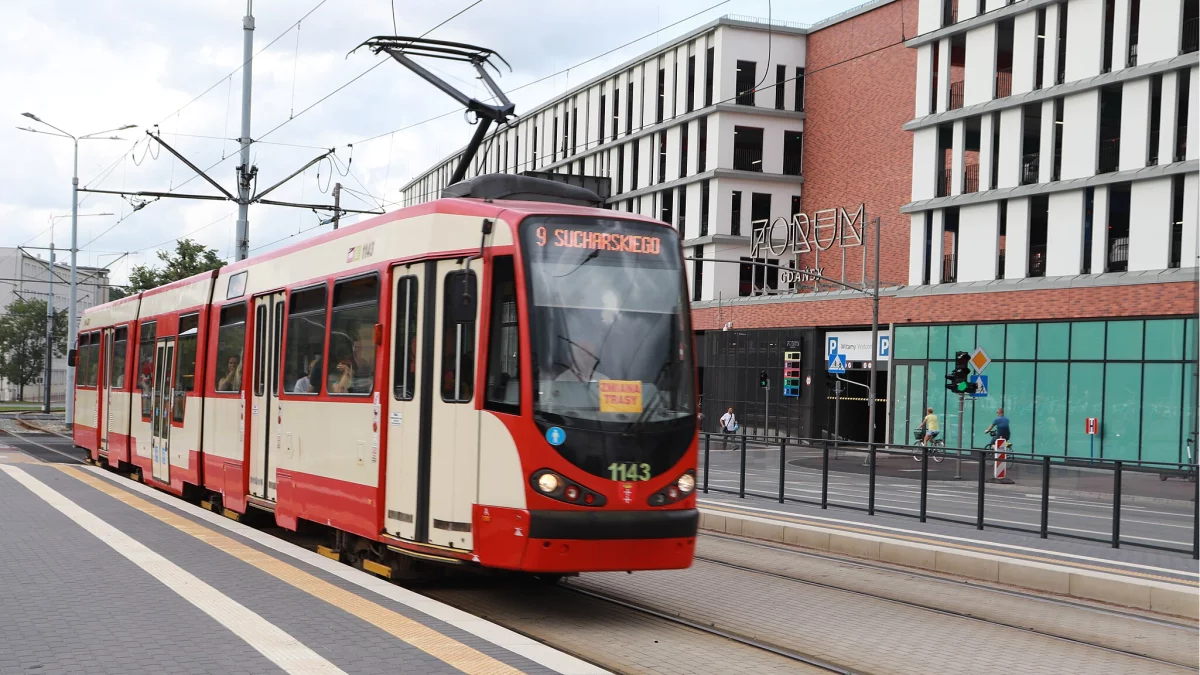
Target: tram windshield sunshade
403 49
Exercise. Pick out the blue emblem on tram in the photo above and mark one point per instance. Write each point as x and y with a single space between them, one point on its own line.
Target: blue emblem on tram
555 436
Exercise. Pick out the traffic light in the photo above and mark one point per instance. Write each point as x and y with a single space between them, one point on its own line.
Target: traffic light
956 381
791 374
763 381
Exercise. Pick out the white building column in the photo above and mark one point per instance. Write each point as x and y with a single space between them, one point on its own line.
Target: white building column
1024 52
1149 224
985 152
1135 116
1081 133
1010 148
1016 243
978 231
916 248
980 73
1046 147
958 142
1190 248
943 92
1064 234
1166 126
1085 38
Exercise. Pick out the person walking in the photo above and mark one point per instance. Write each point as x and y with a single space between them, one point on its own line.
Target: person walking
729 426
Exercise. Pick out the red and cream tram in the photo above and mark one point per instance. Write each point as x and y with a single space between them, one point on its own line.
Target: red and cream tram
494 381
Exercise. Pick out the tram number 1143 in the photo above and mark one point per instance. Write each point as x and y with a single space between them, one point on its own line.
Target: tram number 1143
629 471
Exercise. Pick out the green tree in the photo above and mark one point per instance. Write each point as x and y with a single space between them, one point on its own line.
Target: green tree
23 342
188 259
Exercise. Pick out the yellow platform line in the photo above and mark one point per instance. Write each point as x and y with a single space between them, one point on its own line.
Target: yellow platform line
428 640
937 542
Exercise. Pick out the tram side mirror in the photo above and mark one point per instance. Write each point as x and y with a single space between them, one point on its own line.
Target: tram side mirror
462 287
71 357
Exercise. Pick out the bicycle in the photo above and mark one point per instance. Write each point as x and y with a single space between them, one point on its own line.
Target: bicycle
991 446
936 447
1190 472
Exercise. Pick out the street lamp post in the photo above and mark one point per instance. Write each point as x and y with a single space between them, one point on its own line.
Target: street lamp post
71 309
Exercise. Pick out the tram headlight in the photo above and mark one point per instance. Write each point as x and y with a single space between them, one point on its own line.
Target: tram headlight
548 482
686 483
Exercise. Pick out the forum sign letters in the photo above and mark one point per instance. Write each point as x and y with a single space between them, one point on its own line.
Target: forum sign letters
806 233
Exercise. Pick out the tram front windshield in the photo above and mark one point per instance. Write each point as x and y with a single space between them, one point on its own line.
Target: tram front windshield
611 343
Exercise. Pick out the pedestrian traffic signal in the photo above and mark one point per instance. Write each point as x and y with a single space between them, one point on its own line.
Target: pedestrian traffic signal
956 381
763 381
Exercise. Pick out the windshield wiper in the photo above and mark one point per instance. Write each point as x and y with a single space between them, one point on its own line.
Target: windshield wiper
588 258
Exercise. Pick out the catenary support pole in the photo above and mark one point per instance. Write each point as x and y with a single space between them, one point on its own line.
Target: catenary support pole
69 393
49 334
874 343
244 175
337 204
958 454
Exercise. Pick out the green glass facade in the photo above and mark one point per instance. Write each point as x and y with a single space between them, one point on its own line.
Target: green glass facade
1138 376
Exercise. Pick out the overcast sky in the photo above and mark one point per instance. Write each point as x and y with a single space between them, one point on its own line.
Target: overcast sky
96 65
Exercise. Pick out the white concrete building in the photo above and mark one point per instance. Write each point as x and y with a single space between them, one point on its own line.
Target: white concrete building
1054 139
677 142
26 276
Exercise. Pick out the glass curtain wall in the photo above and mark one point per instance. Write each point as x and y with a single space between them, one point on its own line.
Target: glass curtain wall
1138 376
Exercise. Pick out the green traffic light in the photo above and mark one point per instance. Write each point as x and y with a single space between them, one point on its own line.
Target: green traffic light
961 386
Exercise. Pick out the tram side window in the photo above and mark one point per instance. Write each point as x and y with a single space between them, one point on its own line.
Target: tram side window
82 353
231 341
458 339
404 375
504 349
116 371
145 371
93 364
260 346
351 368
305 342
185 364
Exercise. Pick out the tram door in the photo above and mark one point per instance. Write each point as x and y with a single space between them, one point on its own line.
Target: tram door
104 419
160 419
264 394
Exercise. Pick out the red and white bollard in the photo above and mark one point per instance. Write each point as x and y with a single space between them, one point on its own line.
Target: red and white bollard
1001 467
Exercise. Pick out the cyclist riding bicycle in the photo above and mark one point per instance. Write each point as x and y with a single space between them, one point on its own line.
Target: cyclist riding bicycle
930 425
1001 426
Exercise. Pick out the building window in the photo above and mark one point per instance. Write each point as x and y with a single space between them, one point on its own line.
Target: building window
1117 259
554 143
1056 168
662 156
747 148
1183 80
620 169
534 150
503 392
629 108
185 365
404 353
949 246
949 12
1135 15
1061 65
780 78
683 150
1031 142
633 185
697 273
994 179
616 113
704 209
1190 41
1004 58
744 82
1089 204
666 207
799 102
702 145
754 277
735 214
1110 22
1175 253
1039 215
1040 59
958 68
682 226
351 368
116 370
1002 238
600 119
709 60
1155 119
691 84
458 338
971 144
1109 155
925 271
945 150
305 341
760 211
934 77
675 88
793 152
662 95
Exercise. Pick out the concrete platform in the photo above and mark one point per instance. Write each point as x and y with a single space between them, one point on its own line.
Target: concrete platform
1020 562
99 574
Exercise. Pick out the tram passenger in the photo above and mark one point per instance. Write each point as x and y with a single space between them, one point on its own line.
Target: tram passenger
233 375
356 369
305 385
